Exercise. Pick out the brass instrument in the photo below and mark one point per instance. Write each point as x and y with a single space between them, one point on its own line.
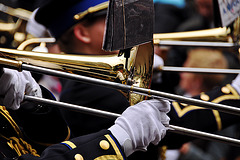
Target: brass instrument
106 114
219 34
135 70
133 76
222 37
14 27
16 12
31 41
215 37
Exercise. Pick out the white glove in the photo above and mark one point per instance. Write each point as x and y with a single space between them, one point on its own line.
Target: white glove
158 61
157 64
35 28
236 83
13 86
141 124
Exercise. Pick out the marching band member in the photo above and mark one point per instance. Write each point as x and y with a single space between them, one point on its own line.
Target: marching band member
84 36
139 125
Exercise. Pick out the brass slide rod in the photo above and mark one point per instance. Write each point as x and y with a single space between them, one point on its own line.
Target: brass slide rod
16 12
180 130
106 114
197 44
198 70
143 91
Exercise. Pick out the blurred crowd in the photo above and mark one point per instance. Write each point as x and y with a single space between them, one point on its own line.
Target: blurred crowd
170 16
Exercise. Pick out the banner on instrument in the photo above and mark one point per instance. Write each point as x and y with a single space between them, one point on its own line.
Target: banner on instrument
229 11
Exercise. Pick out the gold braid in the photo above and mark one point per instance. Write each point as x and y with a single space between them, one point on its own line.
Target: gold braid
163 150
16 143
21 146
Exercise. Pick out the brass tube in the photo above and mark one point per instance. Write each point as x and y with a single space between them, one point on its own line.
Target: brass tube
106 114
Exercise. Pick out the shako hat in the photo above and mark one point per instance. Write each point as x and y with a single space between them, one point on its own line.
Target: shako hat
59 15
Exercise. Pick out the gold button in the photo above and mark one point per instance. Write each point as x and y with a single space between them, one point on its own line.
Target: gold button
204 97
104 145
78 157
225 90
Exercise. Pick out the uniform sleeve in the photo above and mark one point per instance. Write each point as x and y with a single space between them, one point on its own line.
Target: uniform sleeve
202 119
42 125
99 146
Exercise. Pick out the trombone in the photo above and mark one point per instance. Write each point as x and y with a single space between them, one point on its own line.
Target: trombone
128 76
129 88
117 74
16 12
197 70
222 37
14 28
110 71
106 114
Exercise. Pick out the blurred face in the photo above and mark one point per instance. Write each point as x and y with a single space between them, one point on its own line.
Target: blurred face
205 8
96 33
161 51
186 81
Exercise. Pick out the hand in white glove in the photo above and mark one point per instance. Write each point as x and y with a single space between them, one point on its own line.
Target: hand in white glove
236 83
141 124
14 85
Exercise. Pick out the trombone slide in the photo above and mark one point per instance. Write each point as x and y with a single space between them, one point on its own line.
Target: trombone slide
128 88
106 114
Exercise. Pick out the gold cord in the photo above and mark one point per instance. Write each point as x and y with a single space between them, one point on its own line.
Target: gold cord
163 150
21 146
16 143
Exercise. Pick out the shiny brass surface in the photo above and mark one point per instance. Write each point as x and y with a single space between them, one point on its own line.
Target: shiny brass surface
16 12
30 41
9 27
142 69
136 71
216 34
221 34
140 66
236 29
13 26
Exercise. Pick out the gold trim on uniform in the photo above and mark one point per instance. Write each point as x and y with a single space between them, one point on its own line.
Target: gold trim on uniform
16 142
228 90
218 119
204 97
78 157
49 144
70 144
93 9
184 104
104 144
225 90
181 112
118 155
231 93
8 117
109 157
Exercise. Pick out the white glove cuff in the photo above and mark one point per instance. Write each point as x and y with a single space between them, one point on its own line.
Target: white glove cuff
123 139
236 83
